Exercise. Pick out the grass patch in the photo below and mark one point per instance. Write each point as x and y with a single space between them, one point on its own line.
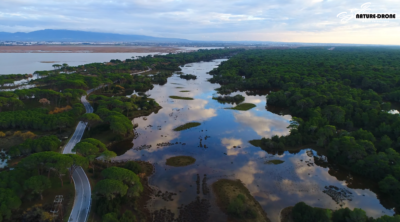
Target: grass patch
180 97
230 193
185 91
243 106
187 126
275 162
180 161
179 87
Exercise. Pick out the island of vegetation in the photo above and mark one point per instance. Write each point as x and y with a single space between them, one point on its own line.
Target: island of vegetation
275 162
339 101
243 106
187 126
234 199
180 161
230 99
185 91
180 97
188 76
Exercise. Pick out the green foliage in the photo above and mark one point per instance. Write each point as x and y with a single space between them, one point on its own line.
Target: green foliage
347 215
91 119
338 96
188 76
243 106
37 184
128 216
46 143
390 185
108 155
303 213
86 149
52 162
230 99
127 177
181 97
37 119
110 188
37 213
133 166
8 201
110 217
238 208
386 218
103 206
275 162
89 146
187 126
180 161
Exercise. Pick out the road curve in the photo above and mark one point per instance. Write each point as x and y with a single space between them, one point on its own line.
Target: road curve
83 193
82 201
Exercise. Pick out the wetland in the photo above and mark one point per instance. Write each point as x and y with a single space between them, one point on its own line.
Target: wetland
224 147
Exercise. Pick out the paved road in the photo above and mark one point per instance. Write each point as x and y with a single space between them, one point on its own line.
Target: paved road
80 210
135 73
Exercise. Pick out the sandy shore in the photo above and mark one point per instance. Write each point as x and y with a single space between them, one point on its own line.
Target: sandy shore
84 49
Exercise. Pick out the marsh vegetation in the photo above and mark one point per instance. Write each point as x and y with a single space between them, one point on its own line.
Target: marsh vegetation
180 161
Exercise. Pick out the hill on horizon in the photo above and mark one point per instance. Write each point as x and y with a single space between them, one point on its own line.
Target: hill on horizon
81 36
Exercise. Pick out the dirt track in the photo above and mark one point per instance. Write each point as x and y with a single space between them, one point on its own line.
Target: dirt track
83 49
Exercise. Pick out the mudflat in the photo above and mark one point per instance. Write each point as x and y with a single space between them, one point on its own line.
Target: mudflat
85 49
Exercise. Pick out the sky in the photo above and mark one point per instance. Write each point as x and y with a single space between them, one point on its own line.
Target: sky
314 21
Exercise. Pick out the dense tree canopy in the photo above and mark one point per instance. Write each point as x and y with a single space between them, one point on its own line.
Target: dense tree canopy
46 143
301 212
339 100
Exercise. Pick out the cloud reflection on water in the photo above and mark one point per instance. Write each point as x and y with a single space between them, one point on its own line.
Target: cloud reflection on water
264 127
274 186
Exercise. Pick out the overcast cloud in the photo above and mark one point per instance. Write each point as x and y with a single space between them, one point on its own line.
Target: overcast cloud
261 20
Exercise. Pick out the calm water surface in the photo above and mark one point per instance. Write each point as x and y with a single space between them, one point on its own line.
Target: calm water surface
28 63
212 143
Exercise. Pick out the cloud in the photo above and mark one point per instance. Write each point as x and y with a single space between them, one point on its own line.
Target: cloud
272 20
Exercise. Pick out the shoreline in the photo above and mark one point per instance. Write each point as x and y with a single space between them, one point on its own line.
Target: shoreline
90 49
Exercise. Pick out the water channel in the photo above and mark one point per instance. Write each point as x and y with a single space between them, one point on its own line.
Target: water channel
215 145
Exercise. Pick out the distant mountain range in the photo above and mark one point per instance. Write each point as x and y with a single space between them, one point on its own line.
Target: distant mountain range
81 36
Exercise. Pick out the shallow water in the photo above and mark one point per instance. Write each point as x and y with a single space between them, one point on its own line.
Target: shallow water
28 63
212 143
